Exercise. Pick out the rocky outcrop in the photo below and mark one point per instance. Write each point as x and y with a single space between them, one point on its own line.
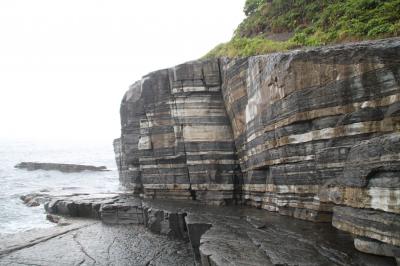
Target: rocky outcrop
62 167
298 117
176 137
222 235
312 134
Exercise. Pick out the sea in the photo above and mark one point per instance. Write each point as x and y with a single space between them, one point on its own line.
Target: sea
14 215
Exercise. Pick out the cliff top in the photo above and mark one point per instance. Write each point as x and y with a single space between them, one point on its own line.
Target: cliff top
280 25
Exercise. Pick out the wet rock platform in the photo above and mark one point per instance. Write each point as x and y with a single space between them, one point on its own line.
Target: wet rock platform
224 235
240 235
89 242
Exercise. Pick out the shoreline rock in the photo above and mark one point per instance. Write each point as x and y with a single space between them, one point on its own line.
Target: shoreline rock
219 235
62 167
89 242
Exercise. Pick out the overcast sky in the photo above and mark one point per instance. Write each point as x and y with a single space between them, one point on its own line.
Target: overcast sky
65 65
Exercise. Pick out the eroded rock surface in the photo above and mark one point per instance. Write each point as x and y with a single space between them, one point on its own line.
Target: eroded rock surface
224 235
296 133
92 243
239 235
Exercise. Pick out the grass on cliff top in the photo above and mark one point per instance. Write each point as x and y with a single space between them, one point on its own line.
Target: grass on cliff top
309 23
239 47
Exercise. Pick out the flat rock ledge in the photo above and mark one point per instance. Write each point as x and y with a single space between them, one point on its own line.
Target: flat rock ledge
62 167
89 242
229 235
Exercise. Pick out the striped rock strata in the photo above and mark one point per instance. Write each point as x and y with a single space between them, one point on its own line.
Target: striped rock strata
176 137
313 134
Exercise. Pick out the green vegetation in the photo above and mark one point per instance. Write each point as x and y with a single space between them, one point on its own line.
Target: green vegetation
249 46
309 23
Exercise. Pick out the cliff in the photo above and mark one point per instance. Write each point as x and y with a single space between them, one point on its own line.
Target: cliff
312 134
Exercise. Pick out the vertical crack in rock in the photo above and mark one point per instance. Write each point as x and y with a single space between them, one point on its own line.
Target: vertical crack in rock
192 192
237 178
179 124
81 262
152 145
82 248
155 256
109 250
196 229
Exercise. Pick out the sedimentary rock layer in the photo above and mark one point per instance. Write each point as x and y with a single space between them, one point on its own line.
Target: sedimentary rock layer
176 138
296 116
297 133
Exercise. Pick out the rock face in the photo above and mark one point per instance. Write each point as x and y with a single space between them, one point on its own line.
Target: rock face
176 137
312 134
66 168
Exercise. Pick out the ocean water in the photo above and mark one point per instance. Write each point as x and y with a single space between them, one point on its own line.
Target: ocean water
14 215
